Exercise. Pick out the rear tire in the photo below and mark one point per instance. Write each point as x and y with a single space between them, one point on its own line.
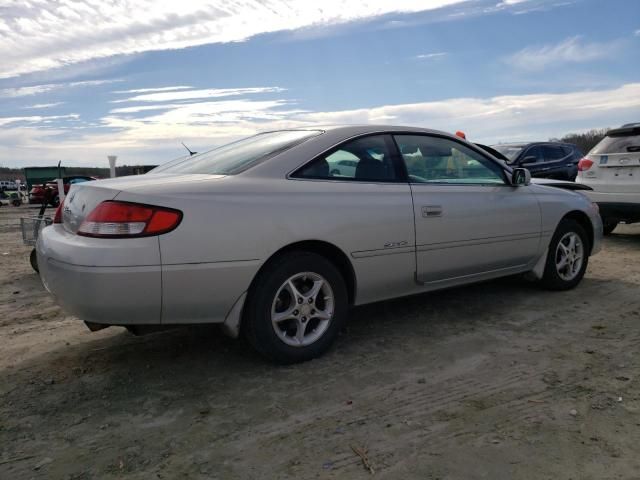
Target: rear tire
33 260
609 225
284 319
567 257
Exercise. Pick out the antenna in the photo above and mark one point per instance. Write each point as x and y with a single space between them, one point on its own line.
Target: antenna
188 150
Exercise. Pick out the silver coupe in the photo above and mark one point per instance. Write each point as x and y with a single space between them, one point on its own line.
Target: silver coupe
275 236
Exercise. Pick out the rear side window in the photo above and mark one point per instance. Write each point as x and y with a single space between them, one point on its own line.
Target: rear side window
618 144
363 159
553 152
238 156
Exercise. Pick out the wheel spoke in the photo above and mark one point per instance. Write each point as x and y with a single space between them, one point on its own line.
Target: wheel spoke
278 317
562 263
301 327
322 315
313 293
295 293
563 247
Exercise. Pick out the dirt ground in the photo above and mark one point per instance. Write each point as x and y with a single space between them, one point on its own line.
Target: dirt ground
499 380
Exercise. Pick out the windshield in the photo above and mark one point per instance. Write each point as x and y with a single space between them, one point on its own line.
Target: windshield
509 151
618 144
237 156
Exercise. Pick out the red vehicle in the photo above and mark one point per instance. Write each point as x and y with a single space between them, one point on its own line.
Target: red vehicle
37 193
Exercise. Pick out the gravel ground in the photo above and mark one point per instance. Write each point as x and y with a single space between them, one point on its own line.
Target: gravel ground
499 380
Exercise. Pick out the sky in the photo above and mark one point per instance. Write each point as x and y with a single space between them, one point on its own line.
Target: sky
80 80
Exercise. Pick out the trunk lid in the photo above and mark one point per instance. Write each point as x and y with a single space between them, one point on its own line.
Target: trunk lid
616 172
84 197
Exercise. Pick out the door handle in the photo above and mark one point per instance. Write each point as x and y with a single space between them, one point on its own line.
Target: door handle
429 211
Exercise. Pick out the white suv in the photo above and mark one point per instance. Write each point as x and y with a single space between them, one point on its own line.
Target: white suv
8 185
612 169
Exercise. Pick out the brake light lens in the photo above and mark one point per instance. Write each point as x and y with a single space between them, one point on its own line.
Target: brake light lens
57 218
113 219
584 164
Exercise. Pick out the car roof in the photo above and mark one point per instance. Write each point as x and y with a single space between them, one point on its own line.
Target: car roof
361 129
527 144
628 129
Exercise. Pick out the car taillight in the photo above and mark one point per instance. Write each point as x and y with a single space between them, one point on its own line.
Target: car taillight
57 218
113 219
584 164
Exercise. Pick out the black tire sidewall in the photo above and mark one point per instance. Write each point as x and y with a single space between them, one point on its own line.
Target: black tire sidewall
551 278
257 324
33 259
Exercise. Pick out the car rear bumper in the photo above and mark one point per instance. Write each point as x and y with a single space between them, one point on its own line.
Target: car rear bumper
617 206
104 295
92 281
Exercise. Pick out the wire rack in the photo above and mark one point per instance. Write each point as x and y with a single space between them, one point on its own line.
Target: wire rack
31 227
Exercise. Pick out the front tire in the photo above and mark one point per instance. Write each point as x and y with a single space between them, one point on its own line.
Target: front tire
567 257
295 308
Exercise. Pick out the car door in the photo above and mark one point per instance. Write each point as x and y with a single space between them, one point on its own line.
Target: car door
358 192
469 221
555 161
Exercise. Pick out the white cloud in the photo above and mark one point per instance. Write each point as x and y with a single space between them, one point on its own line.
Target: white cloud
155 89
38 35
46 88
36 119
168 96
427 56
637 33
571 50
43 105
154 133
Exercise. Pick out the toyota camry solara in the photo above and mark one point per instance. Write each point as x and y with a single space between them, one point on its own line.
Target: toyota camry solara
277 235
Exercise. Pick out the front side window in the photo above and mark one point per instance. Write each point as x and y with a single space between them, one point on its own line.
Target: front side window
363 159
440 160
509 151
533 155
237 156
553 152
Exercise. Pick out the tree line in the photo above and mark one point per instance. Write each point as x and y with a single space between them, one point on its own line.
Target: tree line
584 141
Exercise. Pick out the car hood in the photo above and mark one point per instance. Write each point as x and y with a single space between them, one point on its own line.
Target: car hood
565 184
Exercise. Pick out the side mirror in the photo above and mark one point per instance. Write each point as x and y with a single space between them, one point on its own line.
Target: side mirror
521 177
528 160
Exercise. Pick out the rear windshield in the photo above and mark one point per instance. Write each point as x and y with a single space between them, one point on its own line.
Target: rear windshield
237 156
509 151
618 144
